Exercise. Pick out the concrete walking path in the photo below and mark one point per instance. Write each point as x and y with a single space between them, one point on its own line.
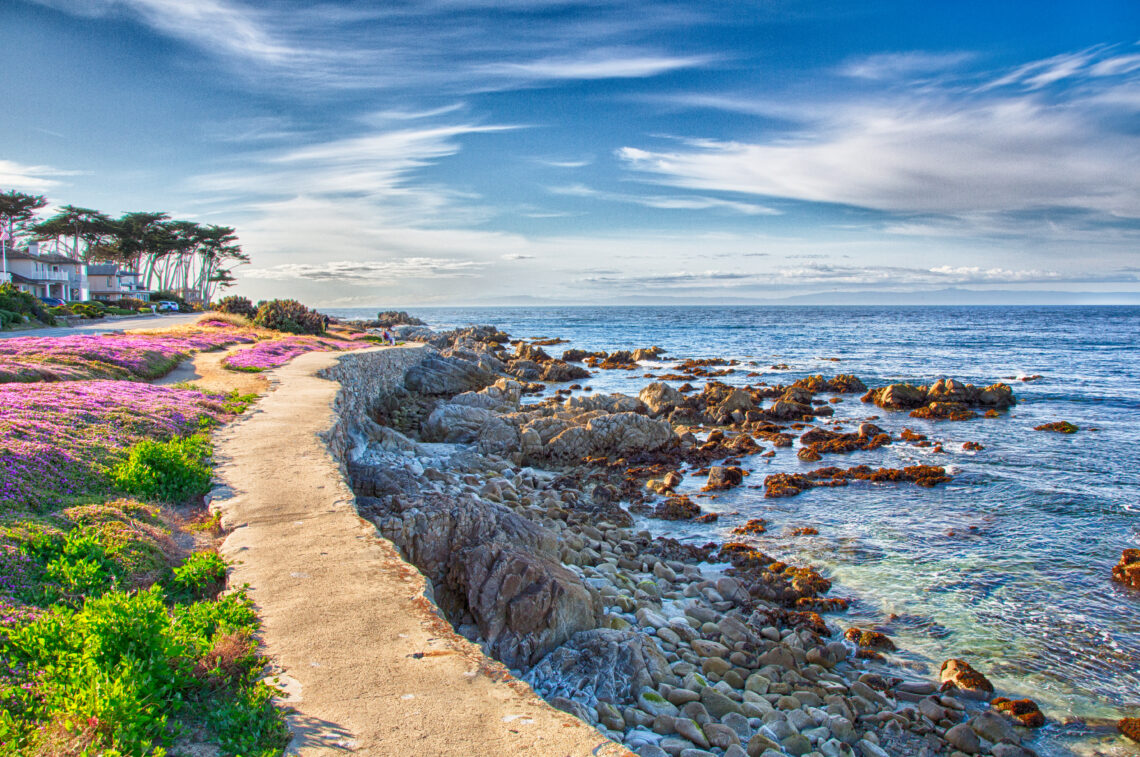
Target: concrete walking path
368 666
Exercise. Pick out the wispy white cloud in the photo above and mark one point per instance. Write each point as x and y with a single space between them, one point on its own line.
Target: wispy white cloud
666 202
36 179
904 64
932 150
368 271
598 65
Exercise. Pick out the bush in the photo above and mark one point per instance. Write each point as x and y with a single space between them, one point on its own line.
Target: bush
173 471
15 301
290 316
10 318
131 303
236 305
201 576
89 310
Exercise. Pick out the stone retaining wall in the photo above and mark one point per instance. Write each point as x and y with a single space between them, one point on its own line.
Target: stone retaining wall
365 377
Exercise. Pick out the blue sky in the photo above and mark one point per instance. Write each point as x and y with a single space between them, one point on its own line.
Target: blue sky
476 152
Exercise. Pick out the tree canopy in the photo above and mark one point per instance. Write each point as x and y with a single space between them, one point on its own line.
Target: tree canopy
191 259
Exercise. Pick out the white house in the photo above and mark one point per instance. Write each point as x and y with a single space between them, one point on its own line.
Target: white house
46 274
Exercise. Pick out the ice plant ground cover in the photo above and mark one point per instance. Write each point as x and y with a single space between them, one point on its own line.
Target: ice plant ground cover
273 353
59 440
110 356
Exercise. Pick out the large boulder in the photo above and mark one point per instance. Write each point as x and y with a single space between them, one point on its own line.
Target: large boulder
609 403
440 375
785 410
455 424
558 371
524 605
660 398
601 665
901 397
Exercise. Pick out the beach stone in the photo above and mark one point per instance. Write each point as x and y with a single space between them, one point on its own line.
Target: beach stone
870 749
733 679
932 709
674 746
717 703
962 737
707 648
720 735
690 730
651 750
757 683
787 702
696 753
779 656
682 696
1010 750
796 744
738 723
569 706
736 750
655 704
696 711
664 724
760 743
715 666
993 727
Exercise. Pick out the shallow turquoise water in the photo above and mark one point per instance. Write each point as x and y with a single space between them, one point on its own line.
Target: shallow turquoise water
1008 565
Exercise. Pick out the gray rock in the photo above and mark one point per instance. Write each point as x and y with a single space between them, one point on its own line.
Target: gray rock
439 375
602 665
993 727
962 737
660 398
717 703
655 704
689 729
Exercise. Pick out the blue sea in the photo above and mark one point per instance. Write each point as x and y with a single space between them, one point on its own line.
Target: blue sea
1008 565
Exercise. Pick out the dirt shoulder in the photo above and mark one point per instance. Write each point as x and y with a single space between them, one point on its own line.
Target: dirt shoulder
368 665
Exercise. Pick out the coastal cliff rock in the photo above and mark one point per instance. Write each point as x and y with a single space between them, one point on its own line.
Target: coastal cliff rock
902 396
491 567
443 375
660 398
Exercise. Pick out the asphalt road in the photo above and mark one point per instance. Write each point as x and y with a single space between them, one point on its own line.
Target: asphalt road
107 327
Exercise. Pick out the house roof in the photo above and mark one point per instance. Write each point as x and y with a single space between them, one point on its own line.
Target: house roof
102 269
46 257
18 279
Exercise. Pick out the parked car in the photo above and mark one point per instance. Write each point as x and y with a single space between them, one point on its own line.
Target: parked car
165 306
52 301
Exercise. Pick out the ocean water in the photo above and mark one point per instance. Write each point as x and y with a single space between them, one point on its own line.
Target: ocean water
1008 565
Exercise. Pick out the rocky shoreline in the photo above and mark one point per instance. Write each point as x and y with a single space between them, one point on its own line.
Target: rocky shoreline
514 512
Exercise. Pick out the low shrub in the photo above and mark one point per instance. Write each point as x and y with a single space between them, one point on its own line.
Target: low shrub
10 318
183 305
222 320
131 303
121 311
236 305
172 471
290 316
13 300
200 577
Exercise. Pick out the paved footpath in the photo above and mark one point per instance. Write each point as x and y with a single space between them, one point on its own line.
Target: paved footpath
103 326
368 667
